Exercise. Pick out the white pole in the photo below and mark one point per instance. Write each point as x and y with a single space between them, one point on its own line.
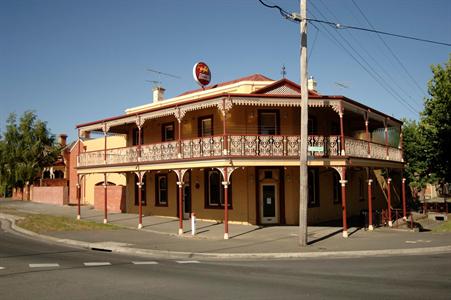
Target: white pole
193 224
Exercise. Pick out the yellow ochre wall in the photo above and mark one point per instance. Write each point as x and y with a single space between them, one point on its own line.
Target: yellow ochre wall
150 208
244 196
91 180
243 210
356 197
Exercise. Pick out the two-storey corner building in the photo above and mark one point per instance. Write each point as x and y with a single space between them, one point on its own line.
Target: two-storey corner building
230 153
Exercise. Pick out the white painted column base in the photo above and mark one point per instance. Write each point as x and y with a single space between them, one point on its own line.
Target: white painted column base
105 221
370 228
78 217
140 226
345 233
180 231
390 224
226 236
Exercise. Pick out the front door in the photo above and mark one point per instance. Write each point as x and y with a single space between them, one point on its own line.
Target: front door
269 212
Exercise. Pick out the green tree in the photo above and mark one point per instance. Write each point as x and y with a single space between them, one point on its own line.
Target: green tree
427 144
27 147
417 167
436 122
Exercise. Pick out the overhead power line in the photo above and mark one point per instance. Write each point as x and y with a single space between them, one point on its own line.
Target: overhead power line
390 50
362 62
370 71
386 84
343 26
296 17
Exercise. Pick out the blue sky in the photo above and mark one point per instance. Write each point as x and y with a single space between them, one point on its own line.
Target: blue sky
79 61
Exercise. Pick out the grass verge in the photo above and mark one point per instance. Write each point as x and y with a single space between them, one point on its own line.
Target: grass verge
445 227
12 211
40 223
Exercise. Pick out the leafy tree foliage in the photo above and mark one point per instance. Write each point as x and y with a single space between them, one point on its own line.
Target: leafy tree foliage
417 168
26 148
436 122
427 144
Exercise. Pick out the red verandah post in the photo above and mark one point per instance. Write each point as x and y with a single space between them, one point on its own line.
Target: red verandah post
226 206
343 201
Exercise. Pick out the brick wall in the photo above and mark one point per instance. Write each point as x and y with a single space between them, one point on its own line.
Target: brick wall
115 198
17 194
56 195
54 182
21 193
71 163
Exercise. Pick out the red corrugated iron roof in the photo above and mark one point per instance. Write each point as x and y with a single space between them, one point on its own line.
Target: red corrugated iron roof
253 77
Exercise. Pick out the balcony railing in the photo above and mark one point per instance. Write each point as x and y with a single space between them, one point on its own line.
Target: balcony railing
251 146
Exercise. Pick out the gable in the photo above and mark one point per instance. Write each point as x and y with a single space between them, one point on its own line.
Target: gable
283 87
282 90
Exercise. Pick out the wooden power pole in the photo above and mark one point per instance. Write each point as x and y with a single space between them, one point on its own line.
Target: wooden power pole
303 171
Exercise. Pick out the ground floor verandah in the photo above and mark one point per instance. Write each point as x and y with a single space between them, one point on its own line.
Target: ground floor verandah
259 195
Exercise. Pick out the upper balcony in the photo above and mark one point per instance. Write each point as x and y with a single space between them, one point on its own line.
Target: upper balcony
239 146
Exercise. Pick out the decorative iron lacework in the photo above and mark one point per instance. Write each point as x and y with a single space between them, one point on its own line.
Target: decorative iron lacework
283 90
201 105
158 114
90 128
117 122
356 148
378 151
251 146
222 104
395 154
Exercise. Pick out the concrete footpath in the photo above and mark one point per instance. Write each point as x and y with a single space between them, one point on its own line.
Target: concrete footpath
158 237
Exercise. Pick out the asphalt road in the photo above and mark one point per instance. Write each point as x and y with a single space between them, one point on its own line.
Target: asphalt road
31 269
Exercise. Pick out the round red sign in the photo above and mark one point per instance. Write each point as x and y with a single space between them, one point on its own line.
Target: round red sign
201 73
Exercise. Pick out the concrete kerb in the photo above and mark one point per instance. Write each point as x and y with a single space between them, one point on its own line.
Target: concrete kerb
229 256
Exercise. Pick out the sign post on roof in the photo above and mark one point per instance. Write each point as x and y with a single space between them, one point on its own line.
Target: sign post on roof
202 74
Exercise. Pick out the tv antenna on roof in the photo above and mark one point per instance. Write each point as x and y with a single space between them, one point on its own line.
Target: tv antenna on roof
155 83
283 72
342 85
163 73
158 83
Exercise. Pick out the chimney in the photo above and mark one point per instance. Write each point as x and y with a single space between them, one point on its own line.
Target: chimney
62 140
85 135
158 94
311 84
